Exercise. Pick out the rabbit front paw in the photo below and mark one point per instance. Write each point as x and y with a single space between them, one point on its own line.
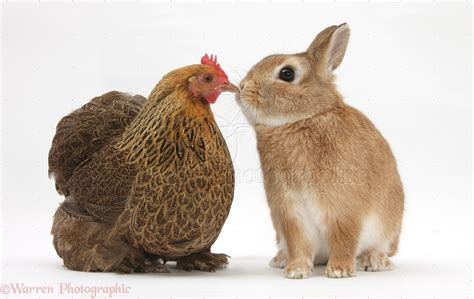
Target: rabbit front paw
337 270
298 270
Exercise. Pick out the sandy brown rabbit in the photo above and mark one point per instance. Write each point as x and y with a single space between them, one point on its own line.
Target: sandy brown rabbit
330 177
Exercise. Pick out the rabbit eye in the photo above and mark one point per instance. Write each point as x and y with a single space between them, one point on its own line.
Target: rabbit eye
287 74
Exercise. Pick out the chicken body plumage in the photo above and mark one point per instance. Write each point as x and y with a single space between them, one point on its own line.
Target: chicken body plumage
143 180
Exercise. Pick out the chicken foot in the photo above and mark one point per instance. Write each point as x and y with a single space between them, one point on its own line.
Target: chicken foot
203 261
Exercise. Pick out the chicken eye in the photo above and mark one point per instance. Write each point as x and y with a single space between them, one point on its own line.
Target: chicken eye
208 78
287 74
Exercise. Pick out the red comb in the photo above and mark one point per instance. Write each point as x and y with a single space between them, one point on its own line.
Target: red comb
212 61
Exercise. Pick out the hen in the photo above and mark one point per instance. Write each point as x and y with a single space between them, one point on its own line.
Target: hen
145 181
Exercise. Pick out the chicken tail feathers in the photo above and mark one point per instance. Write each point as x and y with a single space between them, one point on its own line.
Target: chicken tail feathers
83 132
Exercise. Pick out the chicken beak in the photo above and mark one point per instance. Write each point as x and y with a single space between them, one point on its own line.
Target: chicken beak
227 86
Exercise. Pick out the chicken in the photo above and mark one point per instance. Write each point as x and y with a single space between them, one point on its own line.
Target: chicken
144 181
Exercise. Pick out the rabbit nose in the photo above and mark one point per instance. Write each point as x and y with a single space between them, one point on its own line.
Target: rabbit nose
242 85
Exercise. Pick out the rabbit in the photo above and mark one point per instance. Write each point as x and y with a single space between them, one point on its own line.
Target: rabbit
330 178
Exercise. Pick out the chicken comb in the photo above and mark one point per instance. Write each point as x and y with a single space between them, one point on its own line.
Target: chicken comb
212 61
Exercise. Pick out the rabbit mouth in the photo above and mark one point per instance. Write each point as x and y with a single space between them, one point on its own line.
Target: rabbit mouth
248 96
249 107
252 110
252 107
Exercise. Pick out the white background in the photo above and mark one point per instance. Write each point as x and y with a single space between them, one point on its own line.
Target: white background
408 67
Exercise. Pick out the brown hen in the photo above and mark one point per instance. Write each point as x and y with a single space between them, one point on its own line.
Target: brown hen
145 181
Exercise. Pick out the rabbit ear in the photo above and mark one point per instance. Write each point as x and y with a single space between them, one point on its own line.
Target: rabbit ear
329 47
